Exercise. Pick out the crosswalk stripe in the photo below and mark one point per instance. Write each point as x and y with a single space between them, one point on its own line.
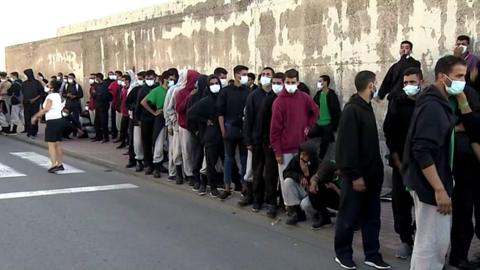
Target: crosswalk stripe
7 172
44 162
24 194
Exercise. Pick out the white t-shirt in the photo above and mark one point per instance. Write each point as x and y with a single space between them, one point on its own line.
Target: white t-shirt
55 111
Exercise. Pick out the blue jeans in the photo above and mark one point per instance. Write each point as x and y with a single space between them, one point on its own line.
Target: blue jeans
230 147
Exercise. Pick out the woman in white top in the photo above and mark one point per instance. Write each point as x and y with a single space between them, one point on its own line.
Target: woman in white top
52 109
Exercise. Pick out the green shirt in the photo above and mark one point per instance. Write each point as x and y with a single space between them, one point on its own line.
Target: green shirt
157 97
325 118
454 105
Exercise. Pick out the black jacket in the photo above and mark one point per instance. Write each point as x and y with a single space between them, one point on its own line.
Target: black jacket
201 112
252 133
266 118
202 89
103 97
358 149
15 92
470 121
293 169
231 104
140 113
31 88
333 104
393 82
76 90
397 123
428 143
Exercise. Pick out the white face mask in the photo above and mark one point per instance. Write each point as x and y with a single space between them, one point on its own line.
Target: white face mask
171 83
65 114
91 81
291 88
277 88
46 89
456 88
411 90
149 82
244 80
319 85
121 83
464 48
141 82
215 88
59 78
70 80
224 82
264 80
112 77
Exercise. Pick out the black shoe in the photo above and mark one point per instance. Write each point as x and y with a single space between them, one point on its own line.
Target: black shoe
96 139
139 167
148 170
105 140
248 198
256 207
224 195
296 214
117 141
202 191
123 145
130 165
156 173
162 169
322 223
272 211
214 192
171 178
464 264
346 264
196 187
60 168
377 263
52 169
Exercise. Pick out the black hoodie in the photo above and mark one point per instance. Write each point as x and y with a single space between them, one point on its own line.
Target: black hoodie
428 143
31 88
393 82
265 115
358 149
202 111
293 169
77 92
252 129
202 91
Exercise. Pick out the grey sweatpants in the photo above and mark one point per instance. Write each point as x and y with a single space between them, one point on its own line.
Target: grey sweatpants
137 143
159 147
281 167
293 192
189 150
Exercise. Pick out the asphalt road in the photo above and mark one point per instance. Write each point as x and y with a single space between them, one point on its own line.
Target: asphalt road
151 226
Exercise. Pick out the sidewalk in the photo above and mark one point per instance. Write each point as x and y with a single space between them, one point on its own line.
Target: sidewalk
108 156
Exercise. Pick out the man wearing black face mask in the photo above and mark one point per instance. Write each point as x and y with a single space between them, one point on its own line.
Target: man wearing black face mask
393 82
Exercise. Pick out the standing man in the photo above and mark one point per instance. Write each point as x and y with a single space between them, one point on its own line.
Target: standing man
221 73
329 106
462 50
5 84
230 106
115 89
293 115
135 150
358 158
393 82
428 162
252 135
32 91
73 94
15 93
102 102
395 127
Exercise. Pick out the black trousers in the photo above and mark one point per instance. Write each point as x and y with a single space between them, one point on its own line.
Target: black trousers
323 199
113 119
101 118
124 129
75 112
359 208
325 133
212 153
466 173
29 110
131 149
402 205
271 174
146 129
258 166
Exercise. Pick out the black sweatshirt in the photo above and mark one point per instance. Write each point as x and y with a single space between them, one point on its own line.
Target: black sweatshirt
393 82
266 118
471 122
333 107
231 104
201 112
140 113
397 123
428 143
103 97
252 122
31 88
77 91
358 149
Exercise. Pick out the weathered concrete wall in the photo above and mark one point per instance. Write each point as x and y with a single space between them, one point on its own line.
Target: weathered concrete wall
337 37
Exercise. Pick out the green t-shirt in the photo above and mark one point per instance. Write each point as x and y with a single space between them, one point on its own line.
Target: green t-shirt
325 118
454 105
157 97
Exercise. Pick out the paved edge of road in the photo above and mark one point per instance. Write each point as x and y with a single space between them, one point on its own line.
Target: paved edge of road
161 181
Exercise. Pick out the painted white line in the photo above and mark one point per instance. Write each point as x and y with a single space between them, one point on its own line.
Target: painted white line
44 162
6 172
24 194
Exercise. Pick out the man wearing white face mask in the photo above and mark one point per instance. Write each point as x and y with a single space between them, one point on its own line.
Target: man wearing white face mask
73 94
115 89
395 127
255 191
221 73
473 62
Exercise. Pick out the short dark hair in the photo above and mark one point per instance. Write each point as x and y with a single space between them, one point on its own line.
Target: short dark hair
141 73
220 70
464 37
119 73
413 71
150 72
173 71
91 74
292 73
72 75
3 74
14 74
165 75
127 77
60 73
251 76
326 78
445 64
279 75
239 69
269 68
99 75
363 78
407 42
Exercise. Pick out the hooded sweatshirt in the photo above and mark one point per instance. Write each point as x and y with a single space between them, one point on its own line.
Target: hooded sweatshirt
293 169
169 111
266 118
252 130
429 142
358 149
292 116
181 100
202 91
31 88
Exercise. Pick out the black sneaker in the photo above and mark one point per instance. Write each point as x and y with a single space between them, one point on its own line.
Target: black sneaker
171 178
202 191
196 187
139 167
214 192
59 168
256 207
346 264
272 211
377 263
149 171
224 195
156 173
52 169
322 223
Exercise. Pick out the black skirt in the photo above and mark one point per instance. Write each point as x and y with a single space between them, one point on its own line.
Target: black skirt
54 130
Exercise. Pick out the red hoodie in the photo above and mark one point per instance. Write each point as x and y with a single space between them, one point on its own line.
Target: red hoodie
123 106
292 117
181 99
114 88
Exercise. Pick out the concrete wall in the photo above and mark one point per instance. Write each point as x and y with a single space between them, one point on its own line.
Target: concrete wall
337 37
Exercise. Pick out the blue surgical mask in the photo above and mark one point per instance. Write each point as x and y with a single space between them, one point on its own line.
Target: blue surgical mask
456 88
411 90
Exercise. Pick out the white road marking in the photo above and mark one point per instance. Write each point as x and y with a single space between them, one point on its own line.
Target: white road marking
24 194
44 162
6 172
